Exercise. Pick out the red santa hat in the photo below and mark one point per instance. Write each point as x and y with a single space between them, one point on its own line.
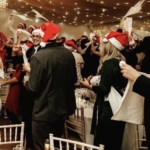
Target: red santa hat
32 26
60 40
96 38
69 44
23 25
27 45
51 32
118 39
3 39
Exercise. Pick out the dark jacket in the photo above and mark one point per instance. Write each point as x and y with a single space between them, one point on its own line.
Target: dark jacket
110 76
31 51
142 87
52 79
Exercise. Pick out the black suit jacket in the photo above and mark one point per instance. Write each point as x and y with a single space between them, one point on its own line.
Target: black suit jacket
31 51
52 78
142 87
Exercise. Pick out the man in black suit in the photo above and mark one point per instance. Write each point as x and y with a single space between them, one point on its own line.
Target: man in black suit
26 97
52 79
142 87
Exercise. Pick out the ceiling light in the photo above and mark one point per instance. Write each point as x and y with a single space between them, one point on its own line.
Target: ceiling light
78 12
37 20
103 10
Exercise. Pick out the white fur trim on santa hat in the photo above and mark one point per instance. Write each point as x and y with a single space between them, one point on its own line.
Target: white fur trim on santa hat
69 47
59 41
22 24
38 31
116 43
105 40
33 27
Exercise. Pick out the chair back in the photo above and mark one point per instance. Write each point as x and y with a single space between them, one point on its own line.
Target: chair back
76 123
69 144
4 90
140 137
12 134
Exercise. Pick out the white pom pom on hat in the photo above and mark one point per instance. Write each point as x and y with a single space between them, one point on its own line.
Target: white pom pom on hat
42 44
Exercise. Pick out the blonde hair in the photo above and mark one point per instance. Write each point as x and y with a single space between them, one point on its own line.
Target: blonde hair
109 51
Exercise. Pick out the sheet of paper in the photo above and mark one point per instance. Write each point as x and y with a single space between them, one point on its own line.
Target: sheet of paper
131 108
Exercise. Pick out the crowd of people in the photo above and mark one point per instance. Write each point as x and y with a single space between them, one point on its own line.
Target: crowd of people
45 69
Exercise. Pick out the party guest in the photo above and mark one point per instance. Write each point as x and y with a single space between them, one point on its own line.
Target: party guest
69 44
108 132
12 101
27 97
51 81
142 87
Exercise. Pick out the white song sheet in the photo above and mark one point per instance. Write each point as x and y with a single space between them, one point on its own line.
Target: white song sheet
131 107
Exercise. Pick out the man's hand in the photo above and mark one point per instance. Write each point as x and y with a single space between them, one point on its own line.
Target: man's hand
85 83
129 72
89 78
10 70
16 48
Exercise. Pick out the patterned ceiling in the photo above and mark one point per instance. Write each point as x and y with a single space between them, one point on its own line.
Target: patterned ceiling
79 12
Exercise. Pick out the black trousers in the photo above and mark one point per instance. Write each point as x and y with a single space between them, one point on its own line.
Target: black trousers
41 131
26 102
109 132
13 117
27 118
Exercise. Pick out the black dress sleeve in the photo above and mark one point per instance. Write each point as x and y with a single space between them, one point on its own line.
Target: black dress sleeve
142 86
